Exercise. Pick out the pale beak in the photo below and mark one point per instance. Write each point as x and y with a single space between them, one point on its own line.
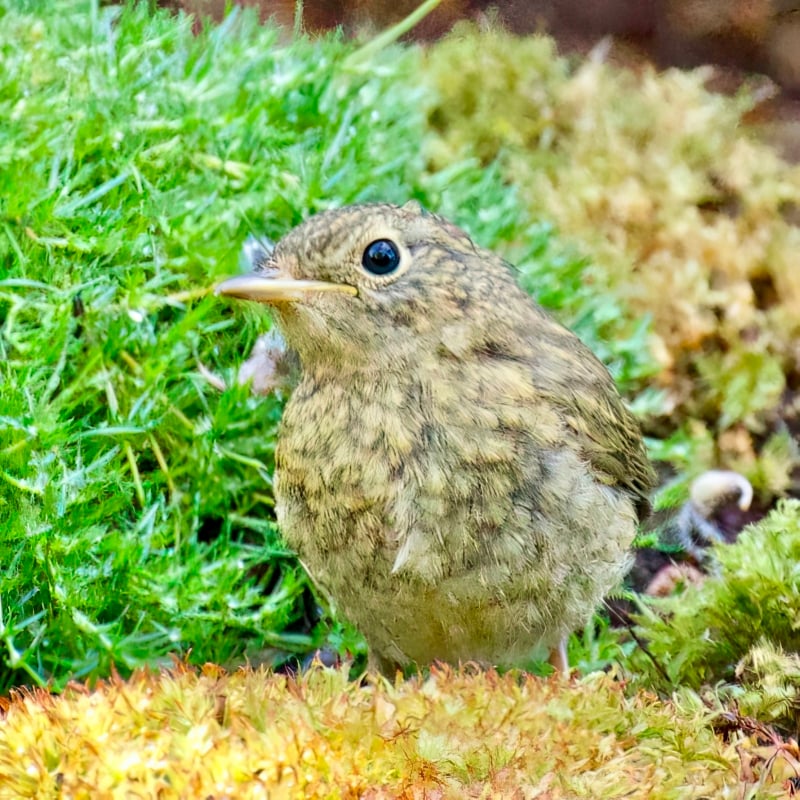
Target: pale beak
264 289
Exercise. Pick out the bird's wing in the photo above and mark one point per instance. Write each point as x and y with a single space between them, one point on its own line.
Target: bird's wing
609 436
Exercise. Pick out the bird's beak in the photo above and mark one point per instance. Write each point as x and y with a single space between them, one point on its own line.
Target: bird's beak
264 288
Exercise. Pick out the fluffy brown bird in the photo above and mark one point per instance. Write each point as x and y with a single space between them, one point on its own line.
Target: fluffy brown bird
456 470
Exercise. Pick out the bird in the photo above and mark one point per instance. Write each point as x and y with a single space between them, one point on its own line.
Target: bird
455 469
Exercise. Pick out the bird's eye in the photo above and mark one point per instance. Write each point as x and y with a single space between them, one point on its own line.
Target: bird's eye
381 257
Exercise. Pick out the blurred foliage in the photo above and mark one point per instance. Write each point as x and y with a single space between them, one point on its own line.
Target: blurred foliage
452 735
768 686
686 218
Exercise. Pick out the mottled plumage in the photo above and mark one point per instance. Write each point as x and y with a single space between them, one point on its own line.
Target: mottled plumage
455 469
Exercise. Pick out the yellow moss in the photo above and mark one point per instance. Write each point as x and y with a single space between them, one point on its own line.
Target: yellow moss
455 734
683 212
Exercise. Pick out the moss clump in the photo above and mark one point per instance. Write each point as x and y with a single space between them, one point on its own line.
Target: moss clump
768 685
733 627
682 212
452 735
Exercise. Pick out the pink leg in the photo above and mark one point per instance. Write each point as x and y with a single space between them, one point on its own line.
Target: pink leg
558 658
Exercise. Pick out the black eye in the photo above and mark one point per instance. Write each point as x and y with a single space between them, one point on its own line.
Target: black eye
381 257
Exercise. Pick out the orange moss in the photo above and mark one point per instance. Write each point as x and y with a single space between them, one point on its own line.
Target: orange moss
455 734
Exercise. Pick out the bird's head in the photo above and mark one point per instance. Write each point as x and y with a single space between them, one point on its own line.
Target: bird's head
377 285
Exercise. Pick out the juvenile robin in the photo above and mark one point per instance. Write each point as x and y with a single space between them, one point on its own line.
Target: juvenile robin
455 469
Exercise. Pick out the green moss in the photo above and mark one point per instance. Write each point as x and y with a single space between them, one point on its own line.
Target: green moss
709 634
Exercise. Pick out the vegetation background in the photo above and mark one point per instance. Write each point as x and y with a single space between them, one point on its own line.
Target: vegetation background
139 149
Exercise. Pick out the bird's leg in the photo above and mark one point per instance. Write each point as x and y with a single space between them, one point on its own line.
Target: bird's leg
558 658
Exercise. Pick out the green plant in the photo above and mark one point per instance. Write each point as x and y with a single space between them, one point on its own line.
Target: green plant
700 636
